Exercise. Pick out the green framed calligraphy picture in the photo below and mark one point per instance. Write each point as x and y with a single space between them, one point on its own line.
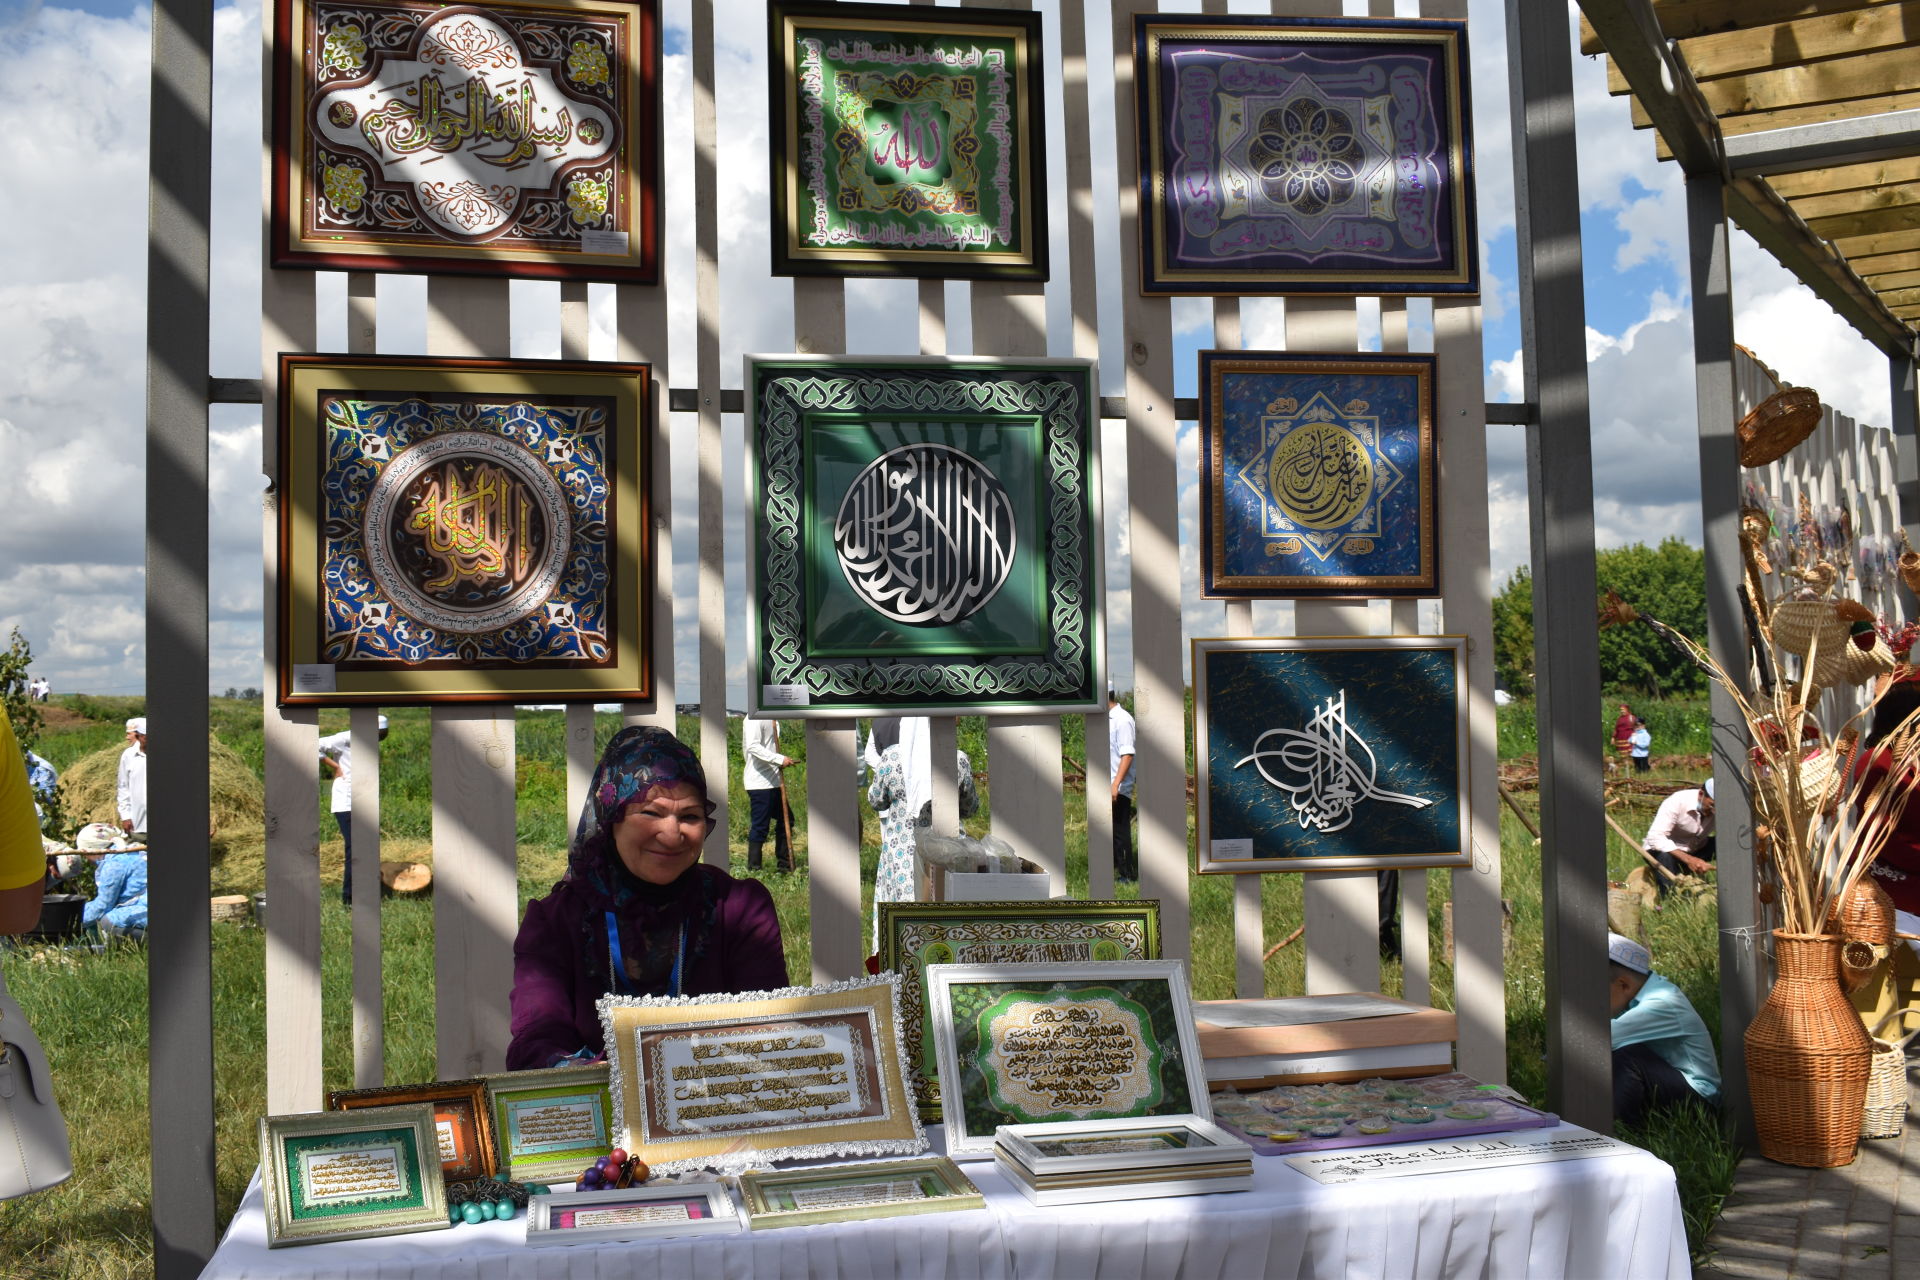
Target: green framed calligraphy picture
515 137
1029 1043
346 1175
907 142
550 1123
925 537
914 935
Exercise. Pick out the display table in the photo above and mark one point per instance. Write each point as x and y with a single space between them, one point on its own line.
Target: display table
1617 1216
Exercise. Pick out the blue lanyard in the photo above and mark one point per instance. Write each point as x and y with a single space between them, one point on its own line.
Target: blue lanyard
620 964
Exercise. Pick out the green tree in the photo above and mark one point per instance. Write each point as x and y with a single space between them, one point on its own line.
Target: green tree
1513 633
22 713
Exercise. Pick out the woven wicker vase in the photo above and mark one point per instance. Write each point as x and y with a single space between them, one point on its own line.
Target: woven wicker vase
1808 1056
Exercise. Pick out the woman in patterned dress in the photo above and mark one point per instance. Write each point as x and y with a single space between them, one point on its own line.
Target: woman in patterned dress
887 793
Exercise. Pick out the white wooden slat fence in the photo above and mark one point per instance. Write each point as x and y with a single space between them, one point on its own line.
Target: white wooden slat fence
473 744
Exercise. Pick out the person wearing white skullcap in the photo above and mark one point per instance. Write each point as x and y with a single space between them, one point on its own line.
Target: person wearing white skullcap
1662 1054
336 760
1680 837
130 784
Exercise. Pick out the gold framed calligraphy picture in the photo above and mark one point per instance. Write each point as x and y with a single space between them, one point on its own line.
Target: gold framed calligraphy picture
1031 1043
461 1127
1317 475
463 530
346 1175
856 1192
516 137
550 1124
1331 753
798 1073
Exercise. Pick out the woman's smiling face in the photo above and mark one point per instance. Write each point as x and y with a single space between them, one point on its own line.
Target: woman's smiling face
659 837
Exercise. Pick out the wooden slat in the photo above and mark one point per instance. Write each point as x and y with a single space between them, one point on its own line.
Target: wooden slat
1854 248
711 494
640 334
1819 210
1877 266
1846 177
575 336
1894 217
1789 114
369 1001
1898 298
1685 19
1249 919
1831 35
1839 80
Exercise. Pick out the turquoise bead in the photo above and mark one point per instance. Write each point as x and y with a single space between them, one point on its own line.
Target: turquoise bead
470 1212
486 1211
454 1216
503 1210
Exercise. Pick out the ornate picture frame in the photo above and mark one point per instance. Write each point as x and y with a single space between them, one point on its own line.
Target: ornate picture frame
463 530
854 1192
914 935
925 537
1304 155
382 161
907 142
1319 475
347 1175
551 1123
1121 1033
462 1122
632 1213
799 1073
1331 753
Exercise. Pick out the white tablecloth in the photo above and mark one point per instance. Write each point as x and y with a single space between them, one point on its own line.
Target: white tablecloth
1611 1218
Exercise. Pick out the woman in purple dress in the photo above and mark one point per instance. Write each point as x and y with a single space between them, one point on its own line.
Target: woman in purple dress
637 913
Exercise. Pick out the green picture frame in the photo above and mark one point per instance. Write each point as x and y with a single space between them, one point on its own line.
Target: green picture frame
914 935
853 1192
1036 1043
348 1175
550 1124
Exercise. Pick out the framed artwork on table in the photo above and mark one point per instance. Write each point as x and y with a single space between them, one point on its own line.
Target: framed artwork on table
461 1123
631 1213
1331 753
1029 1043
853 1192
1318 475
515 137
925 537
799 1073
463 530
1304 155
907 142
914 935
550 1124
346 1175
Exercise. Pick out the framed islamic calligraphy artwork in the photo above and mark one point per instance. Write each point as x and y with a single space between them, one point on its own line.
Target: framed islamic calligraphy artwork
1304 155
924 536
729 1081
460 1121
907 142
347 1175
1318 475
463 530
517 137
1331 753
551 1123
1031 1043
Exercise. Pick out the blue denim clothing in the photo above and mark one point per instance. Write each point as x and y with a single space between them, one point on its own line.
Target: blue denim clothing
119 893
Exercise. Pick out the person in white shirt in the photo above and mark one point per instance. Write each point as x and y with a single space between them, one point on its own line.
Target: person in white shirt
1120 747
1680 837
336 759
130 784
760 766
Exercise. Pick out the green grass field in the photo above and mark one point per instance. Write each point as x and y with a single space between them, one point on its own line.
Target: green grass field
90 1010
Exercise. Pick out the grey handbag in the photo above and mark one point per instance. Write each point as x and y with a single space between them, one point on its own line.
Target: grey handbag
33 1138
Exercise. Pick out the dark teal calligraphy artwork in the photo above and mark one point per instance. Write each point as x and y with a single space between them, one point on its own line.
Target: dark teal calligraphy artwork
1324 753
1294 155
1319 475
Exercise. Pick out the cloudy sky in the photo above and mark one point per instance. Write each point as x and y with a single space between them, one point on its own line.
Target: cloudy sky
72 266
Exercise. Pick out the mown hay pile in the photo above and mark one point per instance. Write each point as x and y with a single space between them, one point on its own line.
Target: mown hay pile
236 814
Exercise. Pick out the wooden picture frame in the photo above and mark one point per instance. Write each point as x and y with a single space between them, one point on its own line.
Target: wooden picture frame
924 537
914 935
999 1029
631 1213
548 1125
1318 475
907 143
1331 753
1304 155
854 1192
797 1073
347 1175
381 164
463 530
463 1125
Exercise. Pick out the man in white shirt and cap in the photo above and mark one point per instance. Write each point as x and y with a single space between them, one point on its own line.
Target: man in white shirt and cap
130 783
1662 1054
1680 837
1121 732
336 759
760 764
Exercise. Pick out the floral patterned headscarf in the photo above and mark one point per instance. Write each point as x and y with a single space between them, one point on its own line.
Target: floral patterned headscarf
637 762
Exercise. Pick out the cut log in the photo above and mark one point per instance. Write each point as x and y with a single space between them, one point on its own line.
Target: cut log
235 908
406 877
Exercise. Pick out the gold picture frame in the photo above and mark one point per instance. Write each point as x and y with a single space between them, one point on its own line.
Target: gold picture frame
854 1192
572 1108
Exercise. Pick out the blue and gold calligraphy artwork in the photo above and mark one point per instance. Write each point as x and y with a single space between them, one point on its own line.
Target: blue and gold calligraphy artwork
1330 753
1300 155
1319 475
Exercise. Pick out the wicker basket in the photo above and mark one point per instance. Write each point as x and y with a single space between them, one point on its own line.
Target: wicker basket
1778 423
1864 919
1886 1108
1798 624
1910 570
1808 1056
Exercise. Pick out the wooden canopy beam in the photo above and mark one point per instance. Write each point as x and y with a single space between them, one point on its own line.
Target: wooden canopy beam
1688 19
1775 47
1845 177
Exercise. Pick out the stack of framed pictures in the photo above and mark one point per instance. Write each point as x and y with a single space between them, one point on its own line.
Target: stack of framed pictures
1080 1161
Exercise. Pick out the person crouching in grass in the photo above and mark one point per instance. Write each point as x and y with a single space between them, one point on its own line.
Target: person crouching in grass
1662 1054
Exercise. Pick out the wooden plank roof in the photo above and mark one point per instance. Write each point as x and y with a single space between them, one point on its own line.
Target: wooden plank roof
1758 66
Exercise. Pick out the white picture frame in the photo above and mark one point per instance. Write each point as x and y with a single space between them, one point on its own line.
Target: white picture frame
1074 1146
632 1213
